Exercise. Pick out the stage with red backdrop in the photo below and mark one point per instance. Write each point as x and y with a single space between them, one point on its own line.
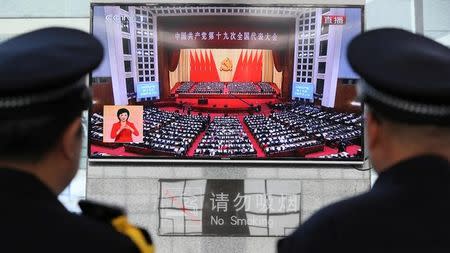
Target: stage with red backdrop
195 49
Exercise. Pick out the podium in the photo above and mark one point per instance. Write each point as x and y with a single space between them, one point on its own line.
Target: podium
202 101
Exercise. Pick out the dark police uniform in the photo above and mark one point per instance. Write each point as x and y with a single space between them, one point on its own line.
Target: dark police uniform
407 79
41 74
33 220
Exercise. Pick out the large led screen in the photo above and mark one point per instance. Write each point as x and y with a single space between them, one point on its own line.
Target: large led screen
225 82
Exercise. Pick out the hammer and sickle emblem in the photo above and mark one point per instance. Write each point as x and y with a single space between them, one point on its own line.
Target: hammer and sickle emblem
226 65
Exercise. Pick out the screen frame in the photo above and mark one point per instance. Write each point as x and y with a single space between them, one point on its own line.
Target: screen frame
227 160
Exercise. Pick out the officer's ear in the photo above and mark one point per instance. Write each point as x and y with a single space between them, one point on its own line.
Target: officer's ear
71 140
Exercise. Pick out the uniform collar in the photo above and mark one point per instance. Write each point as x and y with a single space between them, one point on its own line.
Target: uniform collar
425 169
18 183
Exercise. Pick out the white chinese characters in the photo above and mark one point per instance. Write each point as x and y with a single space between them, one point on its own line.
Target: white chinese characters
226 35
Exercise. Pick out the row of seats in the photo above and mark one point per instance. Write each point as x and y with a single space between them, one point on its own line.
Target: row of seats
274 137
341 155
266 88
185 87
325 125
155 118
351 118
96 132
307 125
224 137
209 88
178 136
243 88
314 112
250 88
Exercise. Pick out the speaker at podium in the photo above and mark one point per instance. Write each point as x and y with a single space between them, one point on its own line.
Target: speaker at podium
202 101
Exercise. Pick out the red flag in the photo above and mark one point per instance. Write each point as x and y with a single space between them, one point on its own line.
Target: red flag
192 70
244 67
254 67
260 64
215 75
238 67
257 68
249 67
207 68
197 67
202 71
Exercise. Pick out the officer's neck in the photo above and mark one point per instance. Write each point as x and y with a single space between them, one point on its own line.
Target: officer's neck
44 170
390 160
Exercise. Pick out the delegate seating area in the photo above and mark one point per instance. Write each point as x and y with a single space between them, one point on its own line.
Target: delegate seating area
348 118
243 88
273 137
266 88
96 132
334 128
177 137
209 88
297 130
342 155
168 132
155 118
305 129
240 88
185 87
225 137
164 132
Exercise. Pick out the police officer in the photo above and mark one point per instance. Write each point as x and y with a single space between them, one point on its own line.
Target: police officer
407 91
42 96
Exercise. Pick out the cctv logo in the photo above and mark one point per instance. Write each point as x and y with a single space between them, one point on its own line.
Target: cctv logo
116 18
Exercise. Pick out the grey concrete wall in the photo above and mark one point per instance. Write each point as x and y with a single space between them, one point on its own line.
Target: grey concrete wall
136 187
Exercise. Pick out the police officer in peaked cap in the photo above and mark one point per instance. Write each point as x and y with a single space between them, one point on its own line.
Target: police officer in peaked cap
406 87
42 96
